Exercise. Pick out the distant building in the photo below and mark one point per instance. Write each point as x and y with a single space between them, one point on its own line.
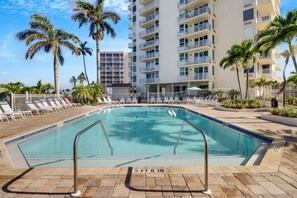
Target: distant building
114 68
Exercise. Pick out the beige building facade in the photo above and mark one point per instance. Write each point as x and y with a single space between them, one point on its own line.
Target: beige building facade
114 68
178 44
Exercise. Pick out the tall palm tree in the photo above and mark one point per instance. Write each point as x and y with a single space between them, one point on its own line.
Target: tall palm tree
248 59
82 93
81 78
232 61
98 18
282 30
15 88
84 51
73 81
261 83
285 54
293 78
43 35
42 88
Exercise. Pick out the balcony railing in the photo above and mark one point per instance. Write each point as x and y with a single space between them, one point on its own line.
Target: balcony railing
270 55
149 6
201 43
200 60
152 67
148 56
265 18
201 27
196 13
195 77
149 18
152 80
182 3
148 31
259 2
149 43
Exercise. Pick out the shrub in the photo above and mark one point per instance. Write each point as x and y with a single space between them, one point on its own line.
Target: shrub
233 93
290 112
291 100
241 104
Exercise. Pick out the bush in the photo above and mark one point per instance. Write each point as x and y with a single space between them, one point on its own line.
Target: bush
291 101
290 112
241 104
233 94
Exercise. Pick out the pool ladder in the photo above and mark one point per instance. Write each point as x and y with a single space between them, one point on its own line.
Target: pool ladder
76 192
206 190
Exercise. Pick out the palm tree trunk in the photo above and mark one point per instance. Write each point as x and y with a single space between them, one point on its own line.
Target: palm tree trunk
293 55
86 70
247 83
239 84
56 77
98 61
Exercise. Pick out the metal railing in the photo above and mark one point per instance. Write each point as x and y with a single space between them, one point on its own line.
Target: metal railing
206 190
76 191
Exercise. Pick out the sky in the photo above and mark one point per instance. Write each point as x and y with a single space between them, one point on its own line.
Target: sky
15 16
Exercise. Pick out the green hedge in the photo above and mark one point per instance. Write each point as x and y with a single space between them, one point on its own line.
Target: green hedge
241 104
290 112
292 101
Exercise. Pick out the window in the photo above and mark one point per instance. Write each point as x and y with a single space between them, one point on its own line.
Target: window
134 59
134 79
134 48
183 72
213 70
134 8
248 15
248 33
134 18
134 69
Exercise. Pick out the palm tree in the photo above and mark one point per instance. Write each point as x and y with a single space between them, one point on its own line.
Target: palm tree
232 60
293 78
282 30
84 51
42 88
261 83
82 93
81 78
248 59
43 35
98 18
286 54
15 88
73 81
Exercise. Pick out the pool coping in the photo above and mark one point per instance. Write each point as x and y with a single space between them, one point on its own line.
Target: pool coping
269 163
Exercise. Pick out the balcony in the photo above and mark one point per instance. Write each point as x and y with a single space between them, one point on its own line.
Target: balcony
198 61
130 74
150 68
130 36
152 80
130 6
130 54
263 21
149 20
148 57
149 32
130 45
268 6
149 8
268 74
188 4
186 17
269 59
144 2
194 30
149 44
194 77
189 47
130 26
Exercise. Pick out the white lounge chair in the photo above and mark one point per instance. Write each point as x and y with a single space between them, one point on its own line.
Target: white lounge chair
2 116
60 104
53 105
100 101
106 101
166 100
134 100
152 100
41 106
111 101
128 100
171 100
122 101
46 105
33 108
65 104
159 100
11 113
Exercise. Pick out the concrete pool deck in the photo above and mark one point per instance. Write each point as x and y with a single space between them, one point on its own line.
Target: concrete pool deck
275 177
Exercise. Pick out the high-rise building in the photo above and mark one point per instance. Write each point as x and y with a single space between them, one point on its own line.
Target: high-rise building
114 68
178 44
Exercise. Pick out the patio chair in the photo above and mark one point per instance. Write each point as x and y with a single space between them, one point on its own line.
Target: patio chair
46 105
65 104
166 99
2 116
54 105
122 101
106 101
59 104
71 103
11 113
152 100
128 100
159 100
134 100
111 101
171 100
100 101
33 108
44 108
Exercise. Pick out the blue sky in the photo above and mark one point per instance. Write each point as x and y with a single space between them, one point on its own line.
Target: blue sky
15 16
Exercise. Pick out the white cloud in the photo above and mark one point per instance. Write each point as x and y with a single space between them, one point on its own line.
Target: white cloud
4 72
120 6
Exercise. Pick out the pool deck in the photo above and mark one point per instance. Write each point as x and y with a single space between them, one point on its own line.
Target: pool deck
275 177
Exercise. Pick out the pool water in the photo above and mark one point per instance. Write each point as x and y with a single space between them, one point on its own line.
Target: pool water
140 136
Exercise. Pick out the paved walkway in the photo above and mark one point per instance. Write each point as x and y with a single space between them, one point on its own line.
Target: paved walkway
255 181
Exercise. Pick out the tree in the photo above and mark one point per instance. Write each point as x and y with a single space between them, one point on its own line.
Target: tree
42 88
293 79
15 88
262 83
232 61
98 18
73 81
84 51
82 93
81 78
282 30
43 35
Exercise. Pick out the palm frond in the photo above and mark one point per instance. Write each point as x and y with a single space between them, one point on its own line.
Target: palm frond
60 56
110 15
34 48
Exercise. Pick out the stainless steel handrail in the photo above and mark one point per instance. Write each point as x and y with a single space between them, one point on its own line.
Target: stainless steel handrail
76 192
206 190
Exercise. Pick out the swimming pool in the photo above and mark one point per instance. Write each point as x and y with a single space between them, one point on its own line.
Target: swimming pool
140 136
